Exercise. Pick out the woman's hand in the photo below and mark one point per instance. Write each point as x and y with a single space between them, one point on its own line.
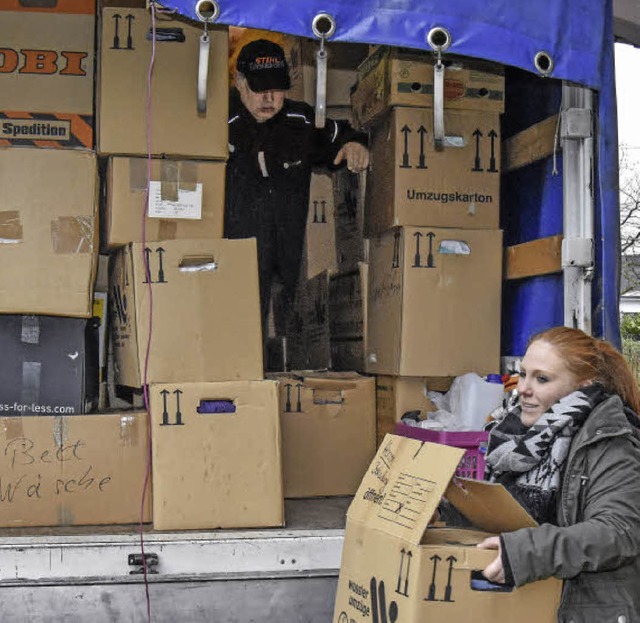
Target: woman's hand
494 571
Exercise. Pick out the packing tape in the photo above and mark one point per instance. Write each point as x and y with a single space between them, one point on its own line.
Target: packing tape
60 430
137 174
30 330
10 227
12 427
130 428
72 234
169 180
30 388
167 230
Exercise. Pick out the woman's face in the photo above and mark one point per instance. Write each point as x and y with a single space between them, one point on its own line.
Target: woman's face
544 379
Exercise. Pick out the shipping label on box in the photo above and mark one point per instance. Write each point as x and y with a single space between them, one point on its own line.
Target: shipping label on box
47 73
400 77
48 231
216 455
396 568
434 302
320 241
73 470
206 311
186 200
177 128
413 181
348 318
328 431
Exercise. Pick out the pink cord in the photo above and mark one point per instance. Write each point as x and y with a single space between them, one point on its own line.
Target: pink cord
147 272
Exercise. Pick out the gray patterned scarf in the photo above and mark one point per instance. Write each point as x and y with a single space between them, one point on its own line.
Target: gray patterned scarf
530 462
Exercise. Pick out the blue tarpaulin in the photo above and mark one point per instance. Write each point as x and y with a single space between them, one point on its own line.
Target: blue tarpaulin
576 34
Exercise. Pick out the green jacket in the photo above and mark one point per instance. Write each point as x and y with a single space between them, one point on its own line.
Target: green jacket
595 547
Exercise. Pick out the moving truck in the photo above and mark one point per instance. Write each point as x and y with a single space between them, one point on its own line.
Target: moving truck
559 217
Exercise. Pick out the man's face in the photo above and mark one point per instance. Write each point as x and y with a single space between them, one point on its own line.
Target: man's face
263 106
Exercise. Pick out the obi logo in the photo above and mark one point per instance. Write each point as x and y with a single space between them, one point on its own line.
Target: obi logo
45 62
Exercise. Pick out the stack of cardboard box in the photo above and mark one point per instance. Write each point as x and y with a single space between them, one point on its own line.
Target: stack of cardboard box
432 218
58 464
185 301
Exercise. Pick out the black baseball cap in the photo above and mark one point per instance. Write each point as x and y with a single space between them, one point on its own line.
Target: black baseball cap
263 64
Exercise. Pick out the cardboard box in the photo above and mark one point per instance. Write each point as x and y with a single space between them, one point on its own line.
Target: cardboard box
434 302
186 200
177 129
348 318
349 191
309 346
394 564
395 396
411 182
342 64
216 455
47 73
206 312
49 365
73 470
320 240
402 77
328 431
48 231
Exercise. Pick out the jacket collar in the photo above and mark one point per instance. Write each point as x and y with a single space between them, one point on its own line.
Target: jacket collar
606 420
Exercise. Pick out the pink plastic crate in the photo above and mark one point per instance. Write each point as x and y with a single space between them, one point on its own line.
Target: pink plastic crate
474 442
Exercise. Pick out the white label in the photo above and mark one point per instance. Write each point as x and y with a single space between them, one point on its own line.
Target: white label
188 206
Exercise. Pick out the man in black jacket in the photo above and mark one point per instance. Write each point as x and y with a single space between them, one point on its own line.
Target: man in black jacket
273 146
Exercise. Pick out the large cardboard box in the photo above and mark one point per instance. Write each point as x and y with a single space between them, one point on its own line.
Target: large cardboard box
411 181
202 307
349 191
348 318
328 431
320 239
186 200
216 455
47 73
177 129
397 395
434 302
309 341
342 65
395 567
403 77
49 365
48 231
68 470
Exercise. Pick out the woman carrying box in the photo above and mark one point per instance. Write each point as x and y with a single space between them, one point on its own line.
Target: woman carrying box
568 449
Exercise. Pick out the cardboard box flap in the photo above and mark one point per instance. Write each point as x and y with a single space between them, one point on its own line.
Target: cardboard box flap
403 486
488 506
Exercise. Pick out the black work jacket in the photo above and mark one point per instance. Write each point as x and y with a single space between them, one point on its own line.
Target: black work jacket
269 170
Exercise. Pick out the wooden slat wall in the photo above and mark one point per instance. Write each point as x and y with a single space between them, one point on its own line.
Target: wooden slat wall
529 259
530 145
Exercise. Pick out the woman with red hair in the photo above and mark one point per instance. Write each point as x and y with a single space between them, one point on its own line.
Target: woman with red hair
568 449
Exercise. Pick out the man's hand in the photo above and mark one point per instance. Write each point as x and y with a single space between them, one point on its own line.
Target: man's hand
356 155
494 571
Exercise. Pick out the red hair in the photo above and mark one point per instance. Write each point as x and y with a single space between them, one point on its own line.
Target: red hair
590 358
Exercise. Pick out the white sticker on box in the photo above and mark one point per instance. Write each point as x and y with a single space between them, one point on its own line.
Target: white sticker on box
188 206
